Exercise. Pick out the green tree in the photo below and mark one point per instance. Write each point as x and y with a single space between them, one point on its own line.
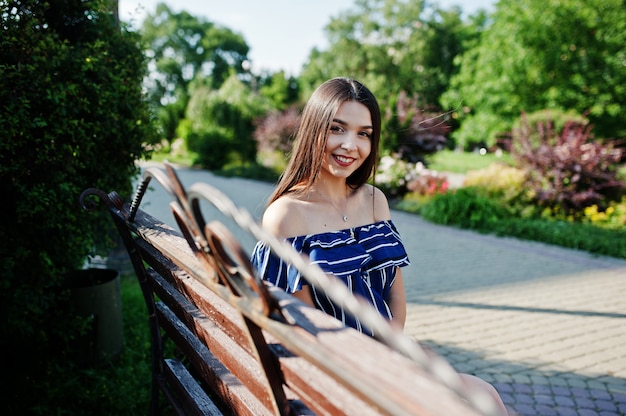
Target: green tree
393 45
73 116
281 90
219 123
370 42
182 47
446 36
543 54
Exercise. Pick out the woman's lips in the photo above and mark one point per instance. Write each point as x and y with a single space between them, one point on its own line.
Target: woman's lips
343 160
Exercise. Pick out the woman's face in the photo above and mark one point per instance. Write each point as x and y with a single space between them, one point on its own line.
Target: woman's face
349 140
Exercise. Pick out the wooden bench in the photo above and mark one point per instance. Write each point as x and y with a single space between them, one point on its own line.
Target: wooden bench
223 342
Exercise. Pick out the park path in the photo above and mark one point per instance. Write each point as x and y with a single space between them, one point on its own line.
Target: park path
544 324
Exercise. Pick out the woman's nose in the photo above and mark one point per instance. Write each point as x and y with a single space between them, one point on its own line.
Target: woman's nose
349 142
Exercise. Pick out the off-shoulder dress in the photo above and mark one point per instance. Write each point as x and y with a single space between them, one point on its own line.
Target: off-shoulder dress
365 258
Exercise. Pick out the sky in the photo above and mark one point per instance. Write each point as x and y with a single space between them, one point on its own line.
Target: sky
280 33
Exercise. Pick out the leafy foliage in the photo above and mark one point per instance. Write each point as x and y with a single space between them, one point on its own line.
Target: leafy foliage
183 48
469 208
567 171
280 90
555 117
396 178
465 207
276 131
413 132
503 183
393 176
220 123
73 117
392 46
541 54
613 217
429 182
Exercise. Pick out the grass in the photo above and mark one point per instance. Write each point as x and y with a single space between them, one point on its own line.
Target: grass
117 387
182 157
460 162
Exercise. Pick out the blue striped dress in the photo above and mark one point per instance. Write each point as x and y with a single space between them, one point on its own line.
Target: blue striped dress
365 258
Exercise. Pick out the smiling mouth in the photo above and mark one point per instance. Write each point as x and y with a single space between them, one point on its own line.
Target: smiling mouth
343 160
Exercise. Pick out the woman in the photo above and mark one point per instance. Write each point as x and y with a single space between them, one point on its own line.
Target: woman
325 208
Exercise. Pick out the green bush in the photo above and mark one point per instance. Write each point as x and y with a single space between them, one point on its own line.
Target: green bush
471 208
73 117
505 184
584 237
466 208
556 117
213 145
220 123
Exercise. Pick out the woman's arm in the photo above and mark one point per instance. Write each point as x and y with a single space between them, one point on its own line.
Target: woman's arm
304 295
397 301
281 219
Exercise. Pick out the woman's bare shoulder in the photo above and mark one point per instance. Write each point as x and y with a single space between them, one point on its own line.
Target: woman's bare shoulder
380 203
284 217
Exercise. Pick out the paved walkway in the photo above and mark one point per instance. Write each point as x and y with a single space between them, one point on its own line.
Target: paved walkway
545 325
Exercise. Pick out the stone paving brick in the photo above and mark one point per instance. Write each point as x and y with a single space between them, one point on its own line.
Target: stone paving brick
577 382
544 400
584 402
587 412
600 395
564 401
566 411
580 392
544 410
539 380
541 389
561 391
524 410
606 405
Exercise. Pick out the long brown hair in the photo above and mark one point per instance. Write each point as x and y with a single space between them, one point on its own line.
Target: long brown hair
308 152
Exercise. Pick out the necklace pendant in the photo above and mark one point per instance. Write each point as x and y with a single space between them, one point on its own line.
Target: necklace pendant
345 218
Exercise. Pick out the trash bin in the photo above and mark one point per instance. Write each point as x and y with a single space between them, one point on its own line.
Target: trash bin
95 294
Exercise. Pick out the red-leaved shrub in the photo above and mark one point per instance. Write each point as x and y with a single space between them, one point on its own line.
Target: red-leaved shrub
277 130
567 170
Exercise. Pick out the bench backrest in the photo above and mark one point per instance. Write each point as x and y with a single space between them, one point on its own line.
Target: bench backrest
224 342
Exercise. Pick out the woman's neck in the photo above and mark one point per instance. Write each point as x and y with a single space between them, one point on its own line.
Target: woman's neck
336 190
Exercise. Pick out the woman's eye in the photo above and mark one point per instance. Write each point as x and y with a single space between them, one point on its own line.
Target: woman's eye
366 134
336 129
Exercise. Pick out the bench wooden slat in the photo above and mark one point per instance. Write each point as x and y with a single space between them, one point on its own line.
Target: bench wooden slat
193 399
300 374
232 392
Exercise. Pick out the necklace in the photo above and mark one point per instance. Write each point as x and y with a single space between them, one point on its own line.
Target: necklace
343 216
